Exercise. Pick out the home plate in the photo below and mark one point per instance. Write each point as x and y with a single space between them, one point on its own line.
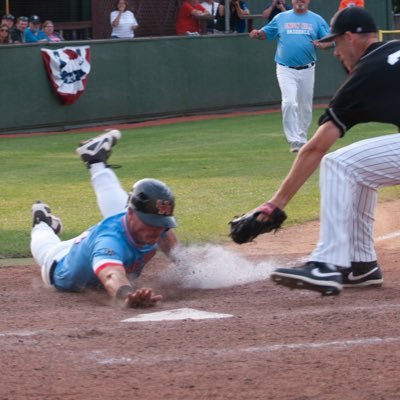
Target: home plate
176 315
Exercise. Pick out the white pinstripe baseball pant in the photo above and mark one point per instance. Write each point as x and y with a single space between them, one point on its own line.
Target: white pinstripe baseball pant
349 179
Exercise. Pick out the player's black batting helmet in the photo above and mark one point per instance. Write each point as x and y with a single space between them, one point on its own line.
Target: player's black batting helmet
154 202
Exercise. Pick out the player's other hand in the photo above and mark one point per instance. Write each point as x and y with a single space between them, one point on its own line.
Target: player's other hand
142 298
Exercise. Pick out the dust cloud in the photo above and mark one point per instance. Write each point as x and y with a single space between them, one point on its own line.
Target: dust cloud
212 266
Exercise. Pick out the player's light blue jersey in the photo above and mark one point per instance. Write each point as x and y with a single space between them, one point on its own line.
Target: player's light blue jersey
295 33
105 244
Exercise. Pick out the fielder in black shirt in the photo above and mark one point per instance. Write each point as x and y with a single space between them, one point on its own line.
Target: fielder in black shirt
349 177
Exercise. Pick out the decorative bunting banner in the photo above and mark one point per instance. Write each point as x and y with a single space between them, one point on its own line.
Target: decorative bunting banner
68 69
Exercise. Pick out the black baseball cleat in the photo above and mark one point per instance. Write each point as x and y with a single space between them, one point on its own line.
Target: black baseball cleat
98 149
320 277
41 213
362 274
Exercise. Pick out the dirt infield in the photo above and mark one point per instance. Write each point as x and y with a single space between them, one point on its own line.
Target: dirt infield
273 344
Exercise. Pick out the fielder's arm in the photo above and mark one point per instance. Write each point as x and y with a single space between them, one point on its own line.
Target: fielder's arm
306 162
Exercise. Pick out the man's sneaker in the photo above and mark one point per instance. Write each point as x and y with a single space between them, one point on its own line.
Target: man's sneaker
41 213
321 277
98 149
362 274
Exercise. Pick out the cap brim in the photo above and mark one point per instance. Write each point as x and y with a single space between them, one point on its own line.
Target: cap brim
161 221
329 38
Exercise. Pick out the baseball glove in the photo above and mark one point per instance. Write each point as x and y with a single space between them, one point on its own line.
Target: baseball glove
246 227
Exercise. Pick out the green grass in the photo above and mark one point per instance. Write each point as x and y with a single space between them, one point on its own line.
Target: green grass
217 169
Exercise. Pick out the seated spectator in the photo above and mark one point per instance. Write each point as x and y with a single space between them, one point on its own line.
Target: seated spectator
17 32
4 34
123 21
33 34
48 29
351 3
212 7
8 20
275 8
188 18
238 9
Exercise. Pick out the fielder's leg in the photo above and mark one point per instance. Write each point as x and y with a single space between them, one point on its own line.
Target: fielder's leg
349 179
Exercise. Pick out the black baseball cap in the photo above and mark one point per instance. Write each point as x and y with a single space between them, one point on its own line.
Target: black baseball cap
9 17
154 202
350 19
34 19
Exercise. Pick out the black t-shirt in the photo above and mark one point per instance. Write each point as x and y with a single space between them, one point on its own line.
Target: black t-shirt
275 11
371 92
17 35
234 18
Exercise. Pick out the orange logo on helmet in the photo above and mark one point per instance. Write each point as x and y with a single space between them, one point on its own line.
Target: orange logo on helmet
164 207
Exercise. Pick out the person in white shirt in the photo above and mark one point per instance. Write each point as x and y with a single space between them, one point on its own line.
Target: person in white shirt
123 21
212 7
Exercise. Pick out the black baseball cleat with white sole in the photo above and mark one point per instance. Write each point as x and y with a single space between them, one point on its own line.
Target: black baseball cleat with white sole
362 274
98 149
41 213
320 277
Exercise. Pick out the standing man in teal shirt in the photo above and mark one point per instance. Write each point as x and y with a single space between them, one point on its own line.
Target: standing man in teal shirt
297 31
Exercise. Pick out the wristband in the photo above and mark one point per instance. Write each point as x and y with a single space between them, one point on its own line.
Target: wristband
123 292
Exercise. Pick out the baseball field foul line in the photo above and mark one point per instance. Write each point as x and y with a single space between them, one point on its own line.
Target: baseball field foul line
388 236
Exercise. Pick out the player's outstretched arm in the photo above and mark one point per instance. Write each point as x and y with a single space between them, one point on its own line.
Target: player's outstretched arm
270 215
119 287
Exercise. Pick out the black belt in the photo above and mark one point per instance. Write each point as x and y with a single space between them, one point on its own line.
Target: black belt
301 66
51 272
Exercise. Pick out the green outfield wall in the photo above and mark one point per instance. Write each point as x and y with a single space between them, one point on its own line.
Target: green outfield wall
150 78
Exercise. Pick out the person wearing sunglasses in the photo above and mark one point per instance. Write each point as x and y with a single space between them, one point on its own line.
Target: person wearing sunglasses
8 19
4 34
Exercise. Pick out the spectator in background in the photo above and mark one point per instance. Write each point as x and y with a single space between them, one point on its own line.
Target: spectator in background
351 3
123 21
33 34
276 7
238 9
212 7
48 29
17 32
297 32
4 34
188 18
8 20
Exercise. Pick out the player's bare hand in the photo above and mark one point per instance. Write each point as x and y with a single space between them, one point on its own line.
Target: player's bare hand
142 298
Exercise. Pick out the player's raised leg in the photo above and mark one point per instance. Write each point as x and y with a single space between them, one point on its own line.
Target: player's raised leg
111 197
